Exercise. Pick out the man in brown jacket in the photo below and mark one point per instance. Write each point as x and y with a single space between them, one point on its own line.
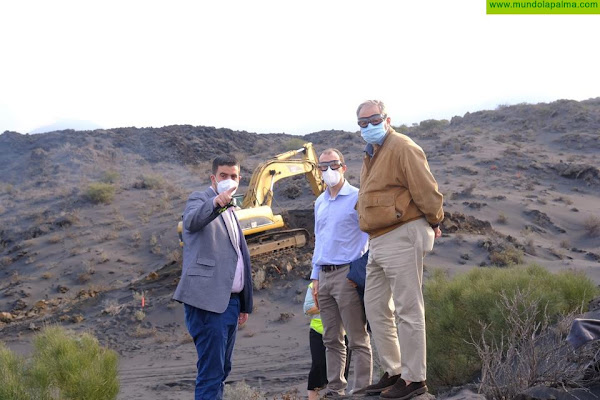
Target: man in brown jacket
400 207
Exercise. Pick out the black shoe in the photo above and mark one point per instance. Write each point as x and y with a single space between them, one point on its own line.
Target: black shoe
385 382
401 391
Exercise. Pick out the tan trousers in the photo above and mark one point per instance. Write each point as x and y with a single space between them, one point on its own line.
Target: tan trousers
395 285
341 308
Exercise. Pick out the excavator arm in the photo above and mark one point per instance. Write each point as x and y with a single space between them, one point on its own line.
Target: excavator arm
259 224
260 189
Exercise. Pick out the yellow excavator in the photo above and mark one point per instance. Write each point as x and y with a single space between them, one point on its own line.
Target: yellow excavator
262 228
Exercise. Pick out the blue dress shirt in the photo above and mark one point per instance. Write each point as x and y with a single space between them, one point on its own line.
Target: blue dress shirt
338 240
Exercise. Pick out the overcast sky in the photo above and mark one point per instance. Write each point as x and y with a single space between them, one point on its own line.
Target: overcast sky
282 65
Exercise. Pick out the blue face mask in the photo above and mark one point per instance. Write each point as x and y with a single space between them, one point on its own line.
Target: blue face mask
373 134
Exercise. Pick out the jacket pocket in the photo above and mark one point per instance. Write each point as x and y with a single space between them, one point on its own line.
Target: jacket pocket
209 262
200 271
204 267
378 211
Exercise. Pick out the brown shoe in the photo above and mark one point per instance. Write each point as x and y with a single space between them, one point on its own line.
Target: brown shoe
385 382
401 391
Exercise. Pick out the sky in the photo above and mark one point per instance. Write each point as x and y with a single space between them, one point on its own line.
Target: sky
283 65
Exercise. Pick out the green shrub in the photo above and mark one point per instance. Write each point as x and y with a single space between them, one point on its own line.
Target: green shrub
430 124
293 144
455 309
12 376
110 177
64 366
99 192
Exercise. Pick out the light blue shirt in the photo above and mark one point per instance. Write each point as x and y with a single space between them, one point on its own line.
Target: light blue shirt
338 240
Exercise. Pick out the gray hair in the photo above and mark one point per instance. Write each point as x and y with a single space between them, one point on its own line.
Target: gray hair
378 103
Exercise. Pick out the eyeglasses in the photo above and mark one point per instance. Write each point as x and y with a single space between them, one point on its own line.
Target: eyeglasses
374 119
334 164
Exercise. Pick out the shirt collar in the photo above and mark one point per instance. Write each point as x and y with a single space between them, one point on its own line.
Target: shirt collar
370 149
344 191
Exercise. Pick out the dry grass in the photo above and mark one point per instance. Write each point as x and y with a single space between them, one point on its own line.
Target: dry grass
174 256
139 315
149 181
136 239
140 332
112 307
144 216
530 246
186 339
563 199
119 222
164 338
102 256
56 238
501 219
532 352
155 247
105 236
592 226
507 256
84 278
242 391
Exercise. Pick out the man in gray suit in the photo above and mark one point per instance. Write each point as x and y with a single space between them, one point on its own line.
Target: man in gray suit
216 281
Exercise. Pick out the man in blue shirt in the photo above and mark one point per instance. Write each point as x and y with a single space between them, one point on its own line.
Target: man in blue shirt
339 241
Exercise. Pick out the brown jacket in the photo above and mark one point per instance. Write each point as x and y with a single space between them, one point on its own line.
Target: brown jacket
396 187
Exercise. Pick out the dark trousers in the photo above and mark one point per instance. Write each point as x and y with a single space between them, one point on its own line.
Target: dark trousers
317 377
214 337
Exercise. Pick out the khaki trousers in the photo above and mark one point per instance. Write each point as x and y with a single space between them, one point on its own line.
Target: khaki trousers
341 308
395 286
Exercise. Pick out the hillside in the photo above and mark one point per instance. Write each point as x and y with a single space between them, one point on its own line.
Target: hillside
521 184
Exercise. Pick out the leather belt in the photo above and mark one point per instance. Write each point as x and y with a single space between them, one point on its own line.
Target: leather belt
329 268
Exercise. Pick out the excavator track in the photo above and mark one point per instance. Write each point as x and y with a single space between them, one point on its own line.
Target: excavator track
275 242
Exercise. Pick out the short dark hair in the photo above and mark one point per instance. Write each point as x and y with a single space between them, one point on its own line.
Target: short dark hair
228 160
336 151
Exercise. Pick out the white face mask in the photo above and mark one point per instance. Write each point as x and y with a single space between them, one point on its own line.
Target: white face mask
225 185
332 177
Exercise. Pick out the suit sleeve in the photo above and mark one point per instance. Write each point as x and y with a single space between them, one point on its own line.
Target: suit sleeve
199 212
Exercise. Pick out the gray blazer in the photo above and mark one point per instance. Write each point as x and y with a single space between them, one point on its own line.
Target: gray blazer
210 258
